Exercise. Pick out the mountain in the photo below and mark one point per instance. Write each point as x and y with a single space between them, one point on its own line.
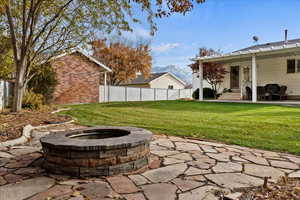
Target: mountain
184 73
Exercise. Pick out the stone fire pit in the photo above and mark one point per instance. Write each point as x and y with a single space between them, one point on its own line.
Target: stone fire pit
97 151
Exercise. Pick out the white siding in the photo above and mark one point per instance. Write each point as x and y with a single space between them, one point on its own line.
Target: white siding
196 82
165 81
226 81
271 70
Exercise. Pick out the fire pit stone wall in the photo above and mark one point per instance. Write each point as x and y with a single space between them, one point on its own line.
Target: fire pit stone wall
123 150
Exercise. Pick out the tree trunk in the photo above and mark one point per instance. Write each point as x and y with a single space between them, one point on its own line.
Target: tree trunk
215 91
19 88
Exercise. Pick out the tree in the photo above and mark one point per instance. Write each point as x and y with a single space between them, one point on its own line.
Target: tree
124 60
213 72
6 58
44 82
41 29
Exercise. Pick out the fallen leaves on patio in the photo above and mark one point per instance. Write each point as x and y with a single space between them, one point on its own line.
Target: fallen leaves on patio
285 189
11 124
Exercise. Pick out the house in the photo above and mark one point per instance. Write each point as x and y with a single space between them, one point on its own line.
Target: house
165 80
195 81
256 66
79 76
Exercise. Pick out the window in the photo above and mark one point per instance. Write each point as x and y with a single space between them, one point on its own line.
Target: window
171 87
298 66
293 66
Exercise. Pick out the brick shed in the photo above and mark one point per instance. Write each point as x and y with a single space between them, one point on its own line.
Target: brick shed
79 77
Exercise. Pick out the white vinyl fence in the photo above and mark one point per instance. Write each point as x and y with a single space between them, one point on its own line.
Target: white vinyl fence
1 95
120 93
5 94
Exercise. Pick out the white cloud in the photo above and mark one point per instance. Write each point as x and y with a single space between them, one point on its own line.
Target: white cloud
165 47
141 32
137 33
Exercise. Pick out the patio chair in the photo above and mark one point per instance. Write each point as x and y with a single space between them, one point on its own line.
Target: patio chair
282 92
248 93
261 93
272 92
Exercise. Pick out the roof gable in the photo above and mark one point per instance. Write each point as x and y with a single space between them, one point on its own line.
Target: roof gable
86 55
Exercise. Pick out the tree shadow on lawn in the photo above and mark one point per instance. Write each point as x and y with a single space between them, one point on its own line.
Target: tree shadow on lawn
190 106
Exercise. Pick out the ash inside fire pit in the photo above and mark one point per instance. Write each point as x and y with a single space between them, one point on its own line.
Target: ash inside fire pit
98 151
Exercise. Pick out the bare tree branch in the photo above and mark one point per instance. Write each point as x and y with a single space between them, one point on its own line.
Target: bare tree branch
51 21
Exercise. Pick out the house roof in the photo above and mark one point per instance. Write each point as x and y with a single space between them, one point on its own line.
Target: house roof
82 52
270 44
266 48
140 79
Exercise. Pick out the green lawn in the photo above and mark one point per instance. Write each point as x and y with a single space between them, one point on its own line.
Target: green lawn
253 125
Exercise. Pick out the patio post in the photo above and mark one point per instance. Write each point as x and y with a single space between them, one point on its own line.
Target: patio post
254 79
105 85
200 81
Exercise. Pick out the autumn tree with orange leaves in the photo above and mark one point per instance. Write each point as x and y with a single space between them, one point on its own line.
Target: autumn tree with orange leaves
125 60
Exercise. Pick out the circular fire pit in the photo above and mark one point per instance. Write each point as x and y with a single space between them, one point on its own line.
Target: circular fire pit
97 151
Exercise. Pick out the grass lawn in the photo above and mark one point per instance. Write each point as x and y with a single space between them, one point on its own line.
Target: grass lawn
269 127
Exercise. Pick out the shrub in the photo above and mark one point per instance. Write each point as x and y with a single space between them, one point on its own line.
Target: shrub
208 93
44 82
225 90
32 100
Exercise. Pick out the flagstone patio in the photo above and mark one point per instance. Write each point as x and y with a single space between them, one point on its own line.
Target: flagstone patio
183 169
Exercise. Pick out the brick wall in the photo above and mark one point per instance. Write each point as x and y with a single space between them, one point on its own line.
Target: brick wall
78 80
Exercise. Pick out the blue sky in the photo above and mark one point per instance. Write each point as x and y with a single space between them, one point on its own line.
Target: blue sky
221 24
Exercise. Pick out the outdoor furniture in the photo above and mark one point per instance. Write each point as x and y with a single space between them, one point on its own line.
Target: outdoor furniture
269 92
261 93
282 92
248 93
272 92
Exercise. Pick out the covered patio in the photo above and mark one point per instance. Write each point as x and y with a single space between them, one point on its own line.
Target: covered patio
259 67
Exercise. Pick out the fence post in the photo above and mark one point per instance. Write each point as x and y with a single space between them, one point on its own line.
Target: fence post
140 94
154 94
126 98
167 94
179 93
108 93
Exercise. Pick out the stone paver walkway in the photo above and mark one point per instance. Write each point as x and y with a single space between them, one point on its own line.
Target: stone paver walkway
182 169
